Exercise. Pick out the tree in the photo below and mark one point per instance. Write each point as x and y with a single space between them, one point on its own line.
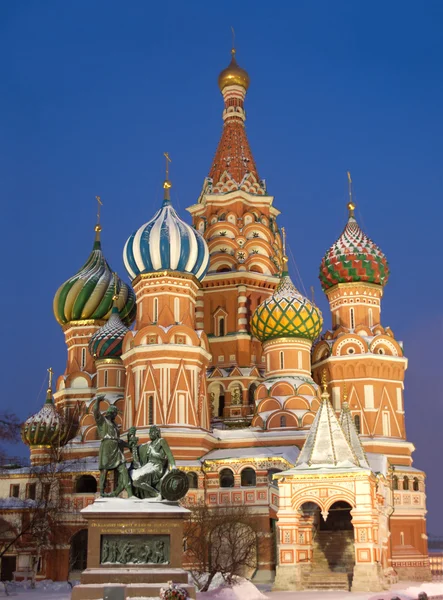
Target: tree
38 519
9 432
223 540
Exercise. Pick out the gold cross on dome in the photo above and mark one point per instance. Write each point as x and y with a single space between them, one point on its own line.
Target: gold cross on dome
99 204
51 373
168 160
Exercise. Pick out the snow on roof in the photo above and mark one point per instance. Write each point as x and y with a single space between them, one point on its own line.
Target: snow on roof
135 505
326 444
295 381
378 463
351 434
288 453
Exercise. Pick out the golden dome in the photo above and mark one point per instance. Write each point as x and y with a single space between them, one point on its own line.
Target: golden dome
233 75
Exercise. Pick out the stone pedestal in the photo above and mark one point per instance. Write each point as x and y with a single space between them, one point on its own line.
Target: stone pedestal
135 545
367 578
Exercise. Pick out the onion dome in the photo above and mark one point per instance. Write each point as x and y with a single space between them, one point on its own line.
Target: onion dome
286 313
107 342
233 75
88 294
353 257
166 243
47 427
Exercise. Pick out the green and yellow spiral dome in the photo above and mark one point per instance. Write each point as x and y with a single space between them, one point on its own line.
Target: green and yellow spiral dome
89 293
286 314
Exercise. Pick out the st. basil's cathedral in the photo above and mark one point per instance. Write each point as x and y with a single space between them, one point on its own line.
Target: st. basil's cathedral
260 405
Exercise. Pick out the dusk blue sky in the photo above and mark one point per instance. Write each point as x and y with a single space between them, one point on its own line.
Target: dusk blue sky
93 93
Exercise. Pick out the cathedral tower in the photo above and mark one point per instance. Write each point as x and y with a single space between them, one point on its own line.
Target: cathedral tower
166 356
82 305
238 220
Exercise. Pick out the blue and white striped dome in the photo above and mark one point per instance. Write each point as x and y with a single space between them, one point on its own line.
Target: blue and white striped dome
166 242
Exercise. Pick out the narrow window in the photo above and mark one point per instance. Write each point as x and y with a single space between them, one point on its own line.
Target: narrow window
300 359
337 318
31 491
351 311
395 482
150 410
357 422
416 485
386 424
370 318
402 538
406 482
282 360
119 378
155 310
83 363
46 490
177 310
105 379
282 421
15 491
221 326
182 408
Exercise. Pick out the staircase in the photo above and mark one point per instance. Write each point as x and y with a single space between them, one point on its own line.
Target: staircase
332 561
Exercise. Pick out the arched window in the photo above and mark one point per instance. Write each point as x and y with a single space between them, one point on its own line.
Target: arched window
395 482
406 482
226 478
150 410
105 378
299 360
251 393
86 484
221 326
402 538
272 472
282 360
282 421
83 363
351 312
155 310
357 423
248 477
119 378
193 480
416 485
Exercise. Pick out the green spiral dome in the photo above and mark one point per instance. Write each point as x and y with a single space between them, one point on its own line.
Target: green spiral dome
89 293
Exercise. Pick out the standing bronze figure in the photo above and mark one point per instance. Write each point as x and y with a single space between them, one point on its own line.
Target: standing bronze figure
111 456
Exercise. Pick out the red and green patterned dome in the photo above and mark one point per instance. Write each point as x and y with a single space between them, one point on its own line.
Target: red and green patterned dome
107 342
353 257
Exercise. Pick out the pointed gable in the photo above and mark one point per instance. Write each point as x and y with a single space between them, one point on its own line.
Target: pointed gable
326 444
351 434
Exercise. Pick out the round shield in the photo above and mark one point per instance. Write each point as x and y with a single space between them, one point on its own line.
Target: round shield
174 485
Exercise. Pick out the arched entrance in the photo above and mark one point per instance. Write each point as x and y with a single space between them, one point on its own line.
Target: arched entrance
332 545
78 551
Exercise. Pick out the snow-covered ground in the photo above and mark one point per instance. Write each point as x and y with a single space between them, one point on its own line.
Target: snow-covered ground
46 590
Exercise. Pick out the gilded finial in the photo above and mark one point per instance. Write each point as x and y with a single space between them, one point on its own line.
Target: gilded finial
345 392
167 184
324 385
312 294
98 227
115 296
233 42
351 204
49 390
324 380
285 256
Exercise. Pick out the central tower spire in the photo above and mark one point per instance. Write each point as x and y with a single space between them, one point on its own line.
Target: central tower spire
234 166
